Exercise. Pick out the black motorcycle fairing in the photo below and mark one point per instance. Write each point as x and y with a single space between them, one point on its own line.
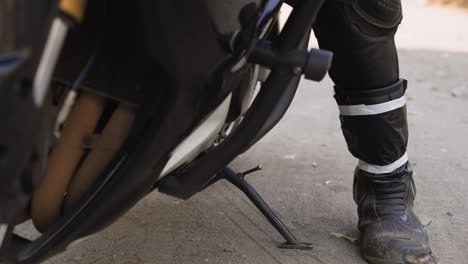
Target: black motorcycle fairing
183 76
24 27
112 41
243 94
222 16
203 171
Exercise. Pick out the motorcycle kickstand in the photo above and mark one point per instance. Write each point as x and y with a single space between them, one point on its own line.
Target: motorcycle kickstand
238 180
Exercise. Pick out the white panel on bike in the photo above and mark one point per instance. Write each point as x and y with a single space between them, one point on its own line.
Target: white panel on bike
200 139
3 231
48 60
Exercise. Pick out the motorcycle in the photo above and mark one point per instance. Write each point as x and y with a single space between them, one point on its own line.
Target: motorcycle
103 102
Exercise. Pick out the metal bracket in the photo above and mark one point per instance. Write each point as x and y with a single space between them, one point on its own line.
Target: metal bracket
314 64
238 180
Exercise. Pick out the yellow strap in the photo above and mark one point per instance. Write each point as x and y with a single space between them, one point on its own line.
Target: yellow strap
74 8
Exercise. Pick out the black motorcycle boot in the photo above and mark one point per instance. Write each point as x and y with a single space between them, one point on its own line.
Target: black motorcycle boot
391 232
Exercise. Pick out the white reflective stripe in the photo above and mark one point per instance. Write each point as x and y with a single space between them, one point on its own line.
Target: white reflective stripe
48 60
362 109
376 169
3 230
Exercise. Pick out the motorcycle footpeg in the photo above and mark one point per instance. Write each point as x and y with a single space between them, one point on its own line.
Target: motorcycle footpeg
318 63
314 64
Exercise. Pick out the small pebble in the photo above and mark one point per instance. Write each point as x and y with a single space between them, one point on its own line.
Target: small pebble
461 91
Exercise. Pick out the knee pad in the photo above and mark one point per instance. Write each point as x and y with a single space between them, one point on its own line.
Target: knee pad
375 127
375 17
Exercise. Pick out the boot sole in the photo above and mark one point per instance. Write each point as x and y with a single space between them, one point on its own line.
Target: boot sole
374 260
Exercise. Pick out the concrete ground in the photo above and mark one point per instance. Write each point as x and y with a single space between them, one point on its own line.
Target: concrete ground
307 175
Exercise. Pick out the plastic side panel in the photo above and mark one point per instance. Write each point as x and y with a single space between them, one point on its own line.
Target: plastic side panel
24 26
200 139
225 14
178 61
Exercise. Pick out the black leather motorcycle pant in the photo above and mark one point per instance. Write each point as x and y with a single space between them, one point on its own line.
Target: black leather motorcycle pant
368 88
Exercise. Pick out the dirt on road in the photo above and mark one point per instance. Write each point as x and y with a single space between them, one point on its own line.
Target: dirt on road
307 175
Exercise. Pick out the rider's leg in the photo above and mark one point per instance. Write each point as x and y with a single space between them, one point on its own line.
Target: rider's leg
371 98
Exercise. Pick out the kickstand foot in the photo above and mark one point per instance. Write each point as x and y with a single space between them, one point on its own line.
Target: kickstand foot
300 246
238 180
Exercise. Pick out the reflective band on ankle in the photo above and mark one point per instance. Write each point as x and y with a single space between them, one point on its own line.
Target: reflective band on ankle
376 169
362 109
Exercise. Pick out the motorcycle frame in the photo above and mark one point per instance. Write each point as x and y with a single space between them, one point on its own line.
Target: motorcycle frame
144 156
262 116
